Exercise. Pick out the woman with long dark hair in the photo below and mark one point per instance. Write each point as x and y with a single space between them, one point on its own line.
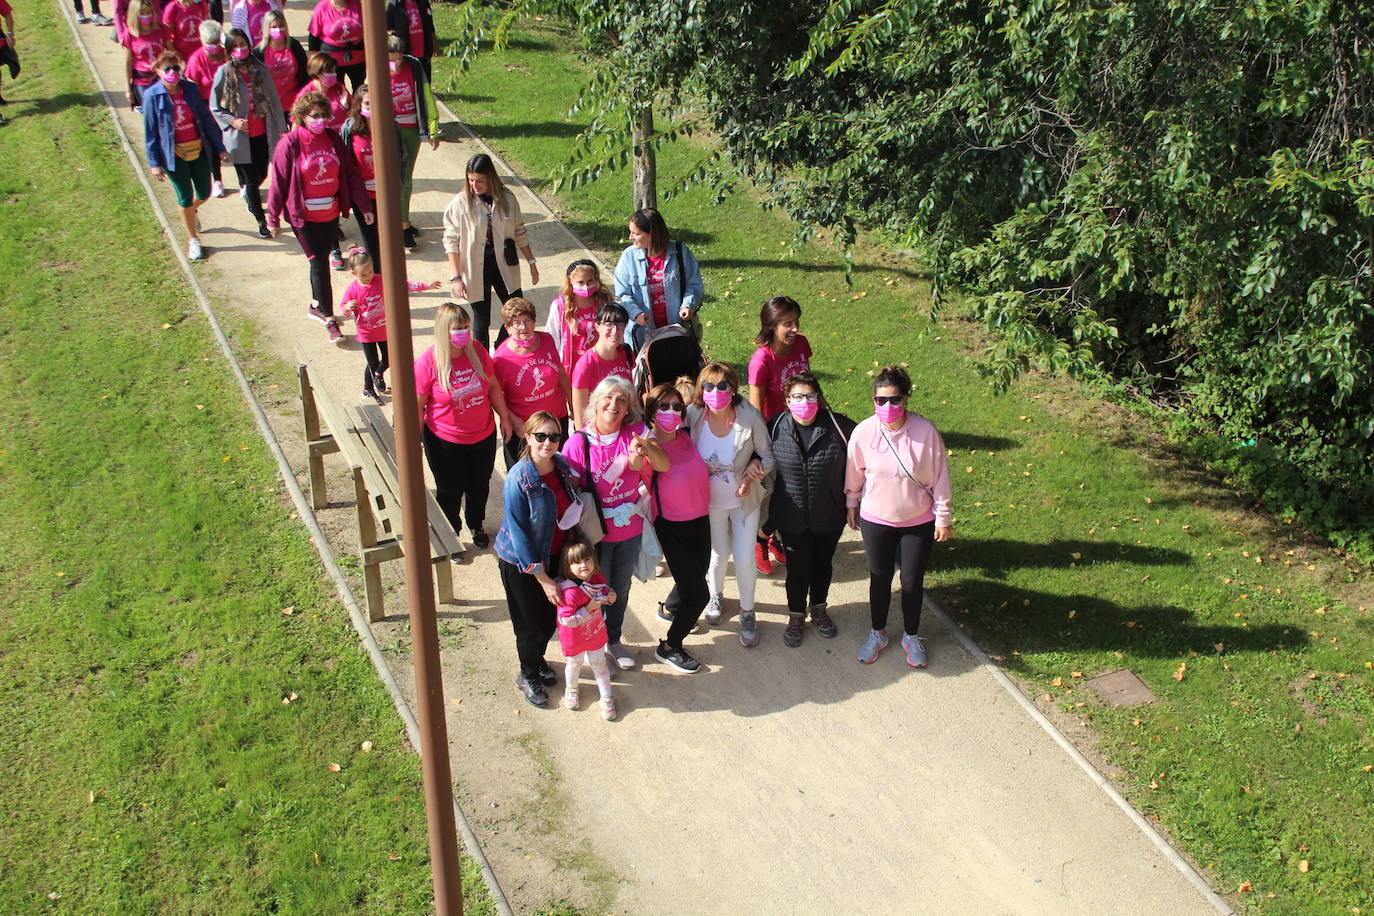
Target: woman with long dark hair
246 106
657 280
482 231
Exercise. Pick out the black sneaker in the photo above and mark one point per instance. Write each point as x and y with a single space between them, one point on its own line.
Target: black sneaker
664 613
533 693
409 235
678 658
480 539
379 383
546 674
263 231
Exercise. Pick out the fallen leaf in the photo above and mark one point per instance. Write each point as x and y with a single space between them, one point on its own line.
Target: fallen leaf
1321 610
54 895
1057 682
1245 888
289 610
1075 674
393 857
333 768
366 747
90 798
1368 769
1153 784
1181 671
1304 866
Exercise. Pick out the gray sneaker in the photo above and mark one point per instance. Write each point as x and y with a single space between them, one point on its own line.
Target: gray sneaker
875 643
623 659
748 629
712 613
915 651
193 250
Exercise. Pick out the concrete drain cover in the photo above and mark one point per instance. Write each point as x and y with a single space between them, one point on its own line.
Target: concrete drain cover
1121 688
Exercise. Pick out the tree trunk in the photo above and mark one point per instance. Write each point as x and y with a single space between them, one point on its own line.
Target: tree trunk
646 167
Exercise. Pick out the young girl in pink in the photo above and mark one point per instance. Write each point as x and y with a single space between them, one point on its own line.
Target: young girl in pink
572 316
581 625
362 302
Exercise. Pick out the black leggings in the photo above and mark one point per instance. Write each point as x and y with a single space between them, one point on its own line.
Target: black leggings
252 175
531 616
356 73
492 281
810 566
95 7
461 472
320 238
883 544
378 361
687 551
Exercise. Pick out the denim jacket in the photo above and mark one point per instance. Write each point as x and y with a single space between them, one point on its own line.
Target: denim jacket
632 282
531 515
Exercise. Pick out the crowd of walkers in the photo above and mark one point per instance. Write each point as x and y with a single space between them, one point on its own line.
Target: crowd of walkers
611 468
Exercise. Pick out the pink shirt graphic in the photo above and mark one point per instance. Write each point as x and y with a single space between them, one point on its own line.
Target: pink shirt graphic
591 369
281 63
616 482
769 371
183 21
403 95
415 28
146 48
590 635
184 128
318 167
339 28
368 308
463 414
529 379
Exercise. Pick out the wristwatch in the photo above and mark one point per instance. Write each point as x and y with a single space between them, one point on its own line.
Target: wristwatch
534 261
455 278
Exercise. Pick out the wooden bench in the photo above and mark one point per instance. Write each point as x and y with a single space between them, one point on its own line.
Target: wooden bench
367 442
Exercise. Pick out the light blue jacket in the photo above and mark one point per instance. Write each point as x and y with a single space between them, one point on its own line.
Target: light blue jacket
632 282
531 515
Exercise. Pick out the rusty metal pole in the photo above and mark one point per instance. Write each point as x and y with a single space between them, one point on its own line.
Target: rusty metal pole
429 681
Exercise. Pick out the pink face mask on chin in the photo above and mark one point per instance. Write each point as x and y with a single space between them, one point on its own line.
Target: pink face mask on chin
890 413
716 399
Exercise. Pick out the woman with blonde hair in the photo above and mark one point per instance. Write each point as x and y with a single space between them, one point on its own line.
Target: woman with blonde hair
482 230
283 56
572 314
144 38
459 401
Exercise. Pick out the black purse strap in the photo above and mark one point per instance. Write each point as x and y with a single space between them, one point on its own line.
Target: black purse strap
890 445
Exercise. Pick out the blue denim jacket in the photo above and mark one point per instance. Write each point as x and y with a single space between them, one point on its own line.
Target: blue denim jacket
531 515
632 282
158 131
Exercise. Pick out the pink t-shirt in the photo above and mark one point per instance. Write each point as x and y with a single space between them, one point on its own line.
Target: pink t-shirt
573 597
658 301
369 309
415 27
684 490
146 48
318 167
529 379
403 95
254 14
338 100
591 369
183 22
617 484
367 166
202 66
281 63
184 128
464 414
579 337
769 371
338 28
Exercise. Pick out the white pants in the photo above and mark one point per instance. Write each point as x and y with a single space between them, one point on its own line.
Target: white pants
600 670
734 531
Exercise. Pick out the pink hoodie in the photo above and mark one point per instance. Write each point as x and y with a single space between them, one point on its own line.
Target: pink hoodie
875 481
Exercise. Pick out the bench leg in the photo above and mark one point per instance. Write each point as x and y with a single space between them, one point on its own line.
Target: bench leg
314 441
443 578
367 537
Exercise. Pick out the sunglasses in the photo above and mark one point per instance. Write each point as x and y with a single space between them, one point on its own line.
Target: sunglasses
811 398
716 386
675 408
548 437
611 324
879 400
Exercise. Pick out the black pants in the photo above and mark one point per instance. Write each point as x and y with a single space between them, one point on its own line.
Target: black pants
461 472
252 175
810 567
95 8
378 361
216 10
369 234
687 550
884 545
216 172
492 282
356 74
320 238
532 618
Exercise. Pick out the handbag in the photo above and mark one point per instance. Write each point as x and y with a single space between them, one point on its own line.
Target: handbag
511 257
590 524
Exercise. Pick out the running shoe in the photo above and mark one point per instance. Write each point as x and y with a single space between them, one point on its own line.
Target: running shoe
776 551
216 188
822 622
748 629
194 251
336 260
915 651
678 658
712 613
82 18
761 559
335 335
318 314
875 643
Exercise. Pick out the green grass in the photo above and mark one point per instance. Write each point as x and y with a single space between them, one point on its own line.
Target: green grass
1083 546
150 764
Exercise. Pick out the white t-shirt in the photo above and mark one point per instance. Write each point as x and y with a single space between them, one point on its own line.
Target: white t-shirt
719 454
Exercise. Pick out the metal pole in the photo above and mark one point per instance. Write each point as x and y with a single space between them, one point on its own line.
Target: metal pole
429 683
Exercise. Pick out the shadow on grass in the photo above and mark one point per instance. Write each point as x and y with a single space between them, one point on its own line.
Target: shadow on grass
529 131
818 267
971 441
1030 621
995 557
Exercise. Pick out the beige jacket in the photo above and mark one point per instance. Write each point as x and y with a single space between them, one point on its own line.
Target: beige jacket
751 441
465 234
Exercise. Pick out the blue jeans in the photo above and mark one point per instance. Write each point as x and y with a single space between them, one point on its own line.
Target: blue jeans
617 560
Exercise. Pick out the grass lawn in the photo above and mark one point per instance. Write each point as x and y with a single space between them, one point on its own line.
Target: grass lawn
1083 546
174 740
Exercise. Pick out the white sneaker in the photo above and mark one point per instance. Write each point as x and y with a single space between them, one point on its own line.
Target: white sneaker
620 655
216 189
194 251
712 612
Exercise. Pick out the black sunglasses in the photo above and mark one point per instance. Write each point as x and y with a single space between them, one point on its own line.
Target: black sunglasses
880 400
546 437
716 386
675 408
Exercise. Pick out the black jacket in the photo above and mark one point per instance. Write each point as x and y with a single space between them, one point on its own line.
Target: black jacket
398 24
808 494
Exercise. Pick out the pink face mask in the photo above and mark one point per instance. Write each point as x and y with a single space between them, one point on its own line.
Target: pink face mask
460 338
582 290
171 77
716 399
805 411
145 20
277 32
890 413
668 420
239 54
328 79
314 125
366 113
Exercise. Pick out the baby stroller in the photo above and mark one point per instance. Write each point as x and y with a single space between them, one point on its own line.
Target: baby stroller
668 352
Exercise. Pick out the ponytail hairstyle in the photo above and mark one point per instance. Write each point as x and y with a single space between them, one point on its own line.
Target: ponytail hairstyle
452 317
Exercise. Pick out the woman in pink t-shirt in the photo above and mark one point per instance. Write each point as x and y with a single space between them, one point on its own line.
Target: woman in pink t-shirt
144 40
572 315
898 494
613 456
682 502
283 57
336 27
608 357
201 68
182 19
460 401
528 370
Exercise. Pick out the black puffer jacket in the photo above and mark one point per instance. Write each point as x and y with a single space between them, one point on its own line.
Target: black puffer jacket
809 490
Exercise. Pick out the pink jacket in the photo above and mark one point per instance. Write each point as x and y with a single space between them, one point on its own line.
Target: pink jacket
875 481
